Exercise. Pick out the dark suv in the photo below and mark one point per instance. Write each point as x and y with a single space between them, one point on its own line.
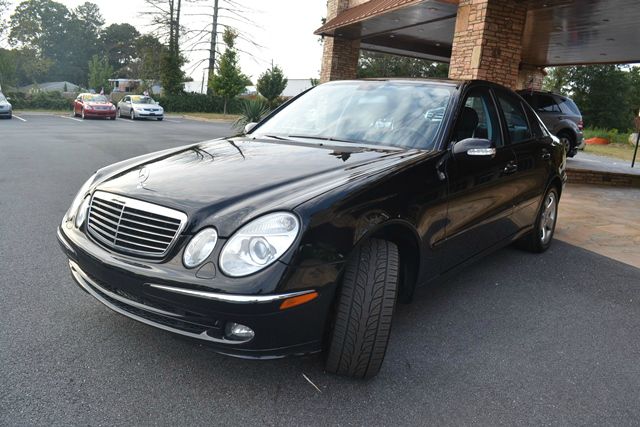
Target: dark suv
561 115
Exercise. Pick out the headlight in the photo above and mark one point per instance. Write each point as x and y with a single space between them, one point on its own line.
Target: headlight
200 247
113 107
79 198
259 244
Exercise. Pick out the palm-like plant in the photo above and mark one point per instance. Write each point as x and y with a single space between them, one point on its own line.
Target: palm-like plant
251 111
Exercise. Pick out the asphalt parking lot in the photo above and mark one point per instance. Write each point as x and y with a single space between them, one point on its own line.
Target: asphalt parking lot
518 339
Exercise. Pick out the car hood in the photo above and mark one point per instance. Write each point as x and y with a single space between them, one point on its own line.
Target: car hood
147 105
227 182
5 104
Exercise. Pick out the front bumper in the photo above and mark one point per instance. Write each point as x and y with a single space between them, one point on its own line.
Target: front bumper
149 115
202 314
100 113
6 113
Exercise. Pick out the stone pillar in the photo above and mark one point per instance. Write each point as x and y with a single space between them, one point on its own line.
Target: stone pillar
487 42
530 77
339 56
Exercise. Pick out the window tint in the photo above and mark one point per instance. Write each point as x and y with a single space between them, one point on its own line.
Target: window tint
515 118
546 104
569 107
478 118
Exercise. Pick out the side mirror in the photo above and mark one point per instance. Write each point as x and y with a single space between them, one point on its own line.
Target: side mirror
475 147
249 127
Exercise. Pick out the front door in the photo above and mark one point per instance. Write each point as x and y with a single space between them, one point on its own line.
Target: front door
481 190
532 147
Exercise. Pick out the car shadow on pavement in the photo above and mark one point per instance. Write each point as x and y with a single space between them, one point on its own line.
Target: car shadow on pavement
513 338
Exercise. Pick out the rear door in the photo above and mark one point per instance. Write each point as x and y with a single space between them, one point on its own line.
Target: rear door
531 146
481 188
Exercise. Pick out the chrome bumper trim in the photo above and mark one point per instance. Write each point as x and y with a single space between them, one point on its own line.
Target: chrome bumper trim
63 240
235 299
86 283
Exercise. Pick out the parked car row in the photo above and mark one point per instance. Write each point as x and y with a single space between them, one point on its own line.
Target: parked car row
89 105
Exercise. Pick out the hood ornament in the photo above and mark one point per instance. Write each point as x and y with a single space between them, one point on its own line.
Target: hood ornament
143 175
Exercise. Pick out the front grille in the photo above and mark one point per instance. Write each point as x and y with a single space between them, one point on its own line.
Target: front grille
132 226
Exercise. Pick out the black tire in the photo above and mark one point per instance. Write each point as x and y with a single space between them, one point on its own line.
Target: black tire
82 114
365 305
569 142
118 113
132 114
160 119
535 241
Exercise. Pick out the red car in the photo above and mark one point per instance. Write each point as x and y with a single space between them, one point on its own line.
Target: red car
92 105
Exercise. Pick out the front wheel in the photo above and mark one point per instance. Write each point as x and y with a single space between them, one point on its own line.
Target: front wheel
539 239
132 114
82 114
364 311
160 119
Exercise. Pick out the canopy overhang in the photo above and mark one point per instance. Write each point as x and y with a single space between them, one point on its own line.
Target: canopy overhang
557 32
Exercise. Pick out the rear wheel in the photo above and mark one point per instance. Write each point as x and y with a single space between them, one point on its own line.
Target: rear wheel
569 143
539 239
364 310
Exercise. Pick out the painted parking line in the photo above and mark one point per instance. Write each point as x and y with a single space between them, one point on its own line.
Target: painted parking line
19 118
172 121
123 120
71 118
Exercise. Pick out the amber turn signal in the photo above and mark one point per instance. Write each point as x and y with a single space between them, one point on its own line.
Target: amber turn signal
301 299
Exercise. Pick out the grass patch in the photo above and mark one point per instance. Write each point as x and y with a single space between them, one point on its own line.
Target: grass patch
619 151
210 116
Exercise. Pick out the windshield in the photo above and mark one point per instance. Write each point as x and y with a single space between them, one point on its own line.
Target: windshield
142 100
96 98
399 114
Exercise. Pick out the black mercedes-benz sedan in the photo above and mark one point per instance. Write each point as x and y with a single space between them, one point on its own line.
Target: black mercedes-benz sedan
303 233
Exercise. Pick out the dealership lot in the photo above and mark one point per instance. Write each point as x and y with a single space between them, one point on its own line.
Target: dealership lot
515 338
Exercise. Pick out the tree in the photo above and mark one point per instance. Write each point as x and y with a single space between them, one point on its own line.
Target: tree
119 44
229 82
634 89
166 20
601 92
558 79
99 73
373 64
271 84
8 68
4 6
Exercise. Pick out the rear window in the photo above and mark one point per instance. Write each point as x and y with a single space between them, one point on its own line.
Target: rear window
569 107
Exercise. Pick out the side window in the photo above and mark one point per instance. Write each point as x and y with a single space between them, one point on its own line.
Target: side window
478 118
546 104
515 118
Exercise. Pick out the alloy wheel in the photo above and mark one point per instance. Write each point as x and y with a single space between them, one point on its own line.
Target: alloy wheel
548 220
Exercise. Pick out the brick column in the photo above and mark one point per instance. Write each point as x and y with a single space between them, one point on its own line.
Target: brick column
487 43
530 77
339 56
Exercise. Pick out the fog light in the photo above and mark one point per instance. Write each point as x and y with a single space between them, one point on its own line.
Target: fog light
237 332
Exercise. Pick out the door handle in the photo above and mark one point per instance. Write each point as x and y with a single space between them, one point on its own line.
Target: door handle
512 167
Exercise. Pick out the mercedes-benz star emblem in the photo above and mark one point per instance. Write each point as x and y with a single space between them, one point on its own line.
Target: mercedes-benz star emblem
143 175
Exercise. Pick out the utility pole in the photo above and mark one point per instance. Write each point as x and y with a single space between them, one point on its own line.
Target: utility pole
214 36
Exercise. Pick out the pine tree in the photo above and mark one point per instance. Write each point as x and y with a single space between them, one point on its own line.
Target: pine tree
229 81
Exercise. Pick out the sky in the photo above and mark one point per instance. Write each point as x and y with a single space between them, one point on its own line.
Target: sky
284 29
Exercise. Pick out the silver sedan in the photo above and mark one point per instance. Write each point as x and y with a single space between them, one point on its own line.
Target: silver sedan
140 106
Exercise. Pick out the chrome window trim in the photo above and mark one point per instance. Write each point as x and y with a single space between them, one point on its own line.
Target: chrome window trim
232 298
141 206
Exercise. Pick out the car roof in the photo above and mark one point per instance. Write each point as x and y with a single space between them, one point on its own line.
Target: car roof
438 81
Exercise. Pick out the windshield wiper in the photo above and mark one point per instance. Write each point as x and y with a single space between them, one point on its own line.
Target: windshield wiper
323 138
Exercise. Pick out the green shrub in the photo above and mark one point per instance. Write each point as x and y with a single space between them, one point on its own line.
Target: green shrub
40 101
251 111
198 103
613 135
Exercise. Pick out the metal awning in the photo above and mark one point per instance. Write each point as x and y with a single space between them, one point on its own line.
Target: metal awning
558 32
